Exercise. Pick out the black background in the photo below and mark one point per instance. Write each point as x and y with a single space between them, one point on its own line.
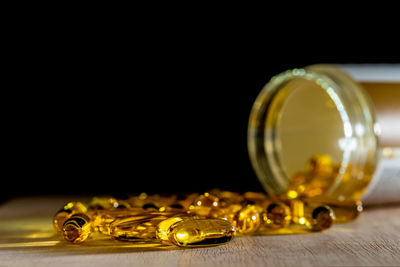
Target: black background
97 110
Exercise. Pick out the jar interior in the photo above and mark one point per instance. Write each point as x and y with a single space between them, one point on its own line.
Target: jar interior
308 124
308 139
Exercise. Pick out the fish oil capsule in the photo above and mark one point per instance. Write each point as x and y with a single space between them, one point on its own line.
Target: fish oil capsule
139 226
122 204
348 211
65 212
77 228
297 209
203 204
255 196
315 180
277 215
320 164
189 232
186 200
143 196
164 228
260 199
297 185
227 196
345 211
100 203
173 207
248 219
322 217
227 213
102 219
138 201
320 175
314 216
161 200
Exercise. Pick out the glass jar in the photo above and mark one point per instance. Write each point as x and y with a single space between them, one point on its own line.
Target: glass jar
320 131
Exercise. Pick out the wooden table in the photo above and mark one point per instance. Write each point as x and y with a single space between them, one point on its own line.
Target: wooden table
27 239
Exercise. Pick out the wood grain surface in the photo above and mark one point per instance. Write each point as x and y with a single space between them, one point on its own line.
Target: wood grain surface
27 239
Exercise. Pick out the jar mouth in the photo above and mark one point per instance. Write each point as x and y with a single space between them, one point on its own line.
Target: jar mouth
306 112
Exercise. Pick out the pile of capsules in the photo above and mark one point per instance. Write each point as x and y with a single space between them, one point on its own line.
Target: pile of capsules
196 220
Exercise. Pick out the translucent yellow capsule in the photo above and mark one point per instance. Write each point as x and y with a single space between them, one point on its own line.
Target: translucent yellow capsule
122 204
189 232
292 194
277 215
203 204
142 196
100 203
297 185
297 209
227 213
77 228
138 201
139 226
346 211
186 200
322 217
255 196
160 201
227 197
164 228
101 219
320 164
314 216
65 212
173 207
248 219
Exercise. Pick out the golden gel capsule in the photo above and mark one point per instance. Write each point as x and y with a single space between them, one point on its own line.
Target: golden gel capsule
346 211
186 200
248 219
227 213
297 209
316 217
138 201
140 226
196 232
259 198
322 217
255 196
203 204
173 207
77 228
103 203
297 185
165 227
65 212
101 219
319 175
160 200
320 164
227 197
277 215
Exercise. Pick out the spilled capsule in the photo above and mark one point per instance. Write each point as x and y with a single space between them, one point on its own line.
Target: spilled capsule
77 228
66 212
192 232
